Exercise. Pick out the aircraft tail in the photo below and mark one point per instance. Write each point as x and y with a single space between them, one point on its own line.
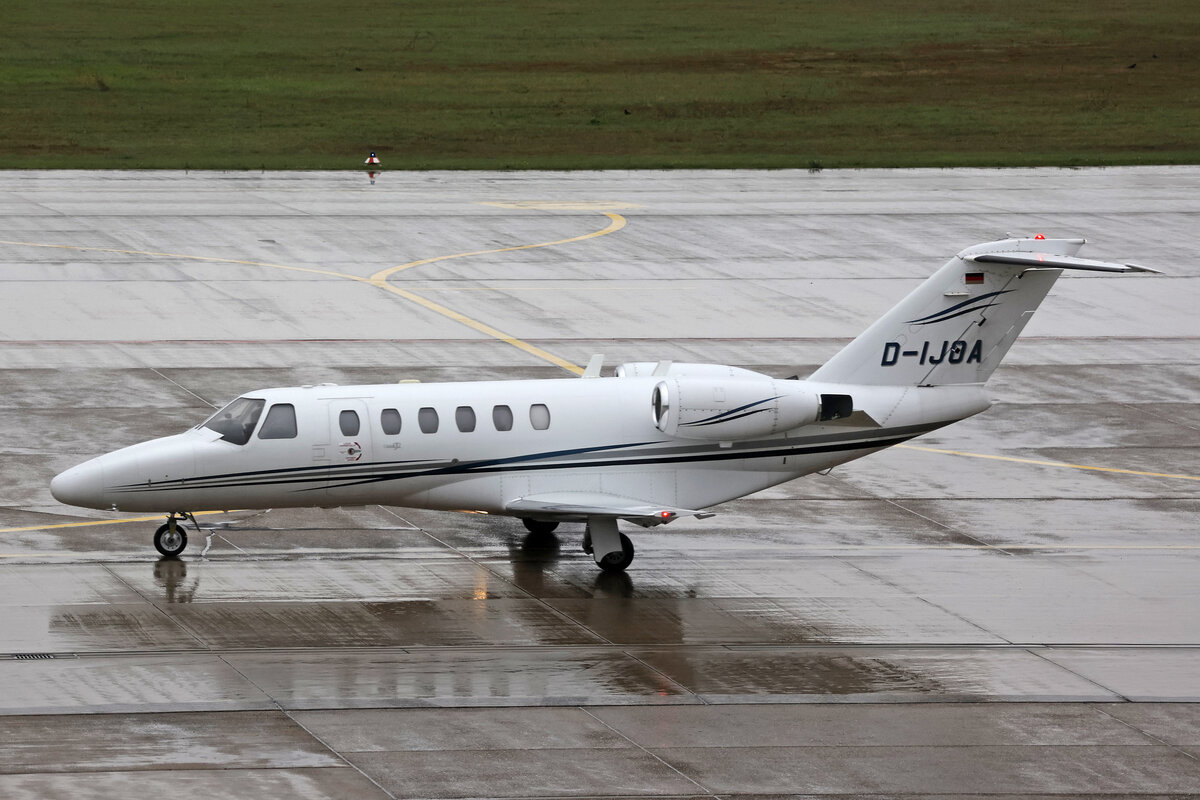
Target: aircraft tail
956 326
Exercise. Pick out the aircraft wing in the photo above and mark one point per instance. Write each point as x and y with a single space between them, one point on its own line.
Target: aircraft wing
1056 261
579 506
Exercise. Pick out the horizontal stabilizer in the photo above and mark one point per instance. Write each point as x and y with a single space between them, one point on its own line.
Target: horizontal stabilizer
578 506
1054 261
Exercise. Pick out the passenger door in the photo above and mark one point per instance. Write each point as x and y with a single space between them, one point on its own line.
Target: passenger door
349 446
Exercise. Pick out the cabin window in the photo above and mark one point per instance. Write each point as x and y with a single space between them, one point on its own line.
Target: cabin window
464 417
427 419
235 422
348 422
389 419
539 417
280 422
502 418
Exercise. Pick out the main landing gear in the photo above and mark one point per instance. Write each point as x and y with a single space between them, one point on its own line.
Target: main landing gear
171 539
611 549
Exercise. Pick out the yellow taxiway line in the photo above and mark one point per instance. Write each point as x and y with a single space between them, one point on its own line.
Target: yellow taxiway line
1041 463
482 327
380 279
615 223
92 522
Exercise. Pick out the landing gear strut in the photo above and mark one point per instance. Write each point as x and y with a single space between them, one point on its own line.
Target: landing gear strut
611 549
171 539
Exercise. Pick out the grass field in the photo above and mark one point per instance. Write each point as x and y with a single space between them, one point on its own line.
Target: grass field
505 84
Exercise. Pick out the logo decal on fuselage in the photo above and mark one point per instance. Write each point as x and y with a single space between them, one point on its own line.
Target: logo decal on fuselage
954 352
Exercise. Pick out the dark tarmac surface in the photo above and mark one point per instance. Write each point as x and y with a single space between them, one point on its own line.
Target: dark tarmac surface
1010 606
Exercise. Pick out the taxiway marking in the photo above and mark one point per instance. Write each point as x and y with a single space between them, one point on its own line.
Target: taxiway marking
380 279
99 522
1041 463
615 223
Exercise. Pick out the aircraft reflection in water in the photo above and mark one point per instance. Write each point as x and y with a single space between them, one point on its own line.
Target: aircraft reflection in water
655 442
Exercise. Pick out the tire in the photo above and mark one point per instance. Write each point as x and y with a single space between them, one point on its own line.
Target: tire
614 563
538 526
167 544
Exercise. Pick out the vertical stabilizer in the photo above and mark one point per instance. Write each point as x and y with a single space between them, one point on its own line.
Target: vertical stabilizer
956 326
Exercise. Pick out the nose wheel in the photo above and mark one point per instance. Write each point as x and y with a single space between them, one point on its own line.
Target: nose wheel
171 539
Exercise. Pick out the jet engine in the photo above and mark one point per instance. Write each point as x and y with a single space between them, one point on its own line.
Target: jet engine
732 409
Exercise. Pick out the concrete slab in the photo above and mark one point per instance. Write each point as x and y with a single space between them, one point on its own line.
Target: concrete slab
1142 675
395 623
236 784
872 674
456 677
906 725
127 742
120 684
524 773
1172 723
92 628
331 581
463 729
938 771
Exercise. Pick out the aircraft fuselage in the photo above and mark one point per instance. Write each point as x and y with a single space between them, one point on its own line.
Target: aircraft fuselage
483 445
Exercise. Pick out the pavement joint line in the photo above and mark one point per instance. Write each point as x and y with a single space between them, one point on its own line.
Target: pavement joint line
206 401
1044 463
1037 649
979 542
1043 653
1147 734
336 753
649 752
344 555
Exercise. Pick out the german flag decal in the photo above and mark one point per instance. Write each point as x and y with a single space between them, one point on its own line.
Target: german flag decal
974 277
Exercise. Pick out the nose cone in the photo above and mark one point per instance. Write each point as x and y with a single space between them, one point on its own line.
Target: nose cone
80 486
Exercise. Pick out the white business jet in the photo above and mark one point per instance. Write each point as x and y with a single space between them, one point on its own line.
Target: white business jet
656 442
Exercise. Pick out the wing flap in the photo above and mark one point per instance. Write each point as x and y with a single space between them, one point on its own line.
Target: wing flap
578 506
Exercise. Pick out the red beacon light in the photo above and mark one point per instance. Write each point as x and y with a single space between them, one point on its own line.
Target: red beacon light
1040 236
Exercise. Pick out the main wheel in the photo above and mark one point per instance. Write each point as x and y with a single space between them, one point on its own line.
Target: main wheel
539 526
617 562
169 543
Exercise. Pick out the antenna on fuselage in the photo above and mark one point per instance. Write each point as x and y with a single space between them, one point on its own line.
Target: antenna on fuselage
595 364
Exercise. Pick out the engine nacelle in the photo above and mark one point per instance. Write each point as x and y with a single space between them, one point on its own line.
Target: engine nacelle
732 409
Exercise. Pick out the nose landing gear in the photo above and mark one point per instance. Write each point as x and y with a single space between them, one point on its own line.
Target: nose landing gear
171 539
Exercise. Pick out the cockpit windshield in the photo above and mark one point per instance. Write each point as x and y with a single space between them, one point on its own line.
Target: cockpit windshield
235 422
